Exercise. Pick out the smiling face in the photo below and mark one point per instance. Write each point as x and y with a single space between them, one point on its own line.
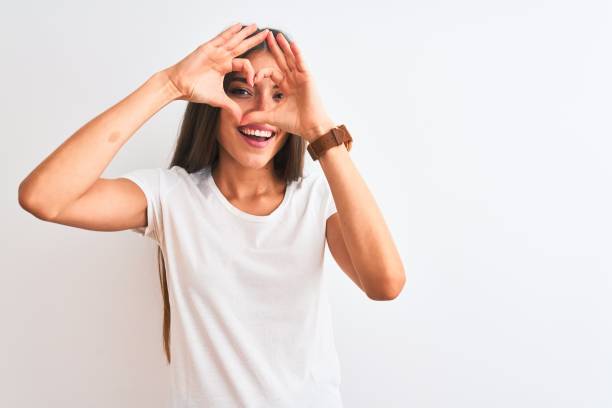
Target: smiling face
235 145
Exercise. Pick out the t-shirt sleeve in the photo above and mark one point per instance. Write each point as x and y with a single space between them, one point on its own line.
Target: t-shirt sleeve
150 182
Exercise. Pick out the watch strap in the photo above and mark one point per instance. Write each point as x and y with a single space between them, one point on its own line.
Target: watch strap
334 137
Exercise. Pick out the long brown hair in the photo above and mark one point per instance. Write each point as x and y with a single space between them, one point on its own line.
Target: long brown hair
197 147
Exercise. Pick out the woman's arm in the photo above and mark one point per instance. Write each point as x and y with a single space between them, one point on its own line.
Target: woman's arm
366 237
75 166
71 169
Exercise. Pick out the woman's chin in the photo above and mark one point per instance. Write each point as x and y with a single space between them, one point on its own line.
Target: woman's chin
253 160
249 156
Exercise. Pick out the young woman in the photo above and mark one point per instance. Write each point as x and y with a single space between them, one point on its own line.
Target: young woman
241 229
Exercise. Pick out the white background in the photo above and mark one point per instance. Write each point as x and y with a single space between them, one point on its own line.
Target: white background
481 127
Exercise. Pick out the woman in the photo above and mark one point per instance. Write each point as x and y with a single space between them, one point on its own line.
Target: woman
241 230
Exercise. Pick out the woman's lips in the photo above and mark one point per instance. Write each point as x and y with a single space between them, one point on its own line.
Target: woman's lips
256 126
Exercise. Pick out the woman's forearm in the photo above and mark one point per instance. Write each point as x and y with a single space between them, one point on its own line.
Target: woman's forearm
366 235
71 169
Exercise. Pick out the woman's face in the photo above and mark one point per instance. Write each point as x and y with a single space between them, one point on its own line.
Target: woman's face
234 145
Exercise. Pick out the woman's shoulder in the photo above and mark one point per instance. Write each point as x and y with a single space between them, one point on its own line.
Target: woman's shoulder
312 180
311 174
168 179
178 175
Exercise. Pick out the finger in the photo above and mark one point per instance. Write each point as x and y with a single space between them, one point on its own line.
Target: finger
245 66
270 72
299 58
289 57
258 117
277 53
232 107
241 35
226 35
250 42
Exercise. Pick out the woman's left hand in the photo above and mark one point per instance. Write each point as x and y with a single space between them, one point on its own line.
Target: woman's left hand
301 112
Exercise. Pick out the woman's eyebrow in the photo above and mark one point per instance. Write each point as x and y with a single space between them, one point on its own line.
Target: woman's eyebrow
242 79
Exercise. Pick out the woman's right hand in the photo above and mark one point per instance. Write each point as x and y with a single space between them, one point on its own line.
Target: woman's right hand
199 76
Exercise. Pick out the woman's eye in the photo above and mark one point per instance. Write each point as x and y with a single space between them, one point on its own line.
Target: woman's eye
236 91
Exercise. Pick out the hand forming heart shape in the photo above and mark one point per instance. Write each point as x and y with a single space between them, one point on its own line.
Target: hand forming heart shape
302 112
199 76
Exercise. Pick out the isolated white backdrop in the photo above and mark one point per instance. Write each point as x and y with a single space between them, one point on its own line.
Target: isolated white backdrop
482 128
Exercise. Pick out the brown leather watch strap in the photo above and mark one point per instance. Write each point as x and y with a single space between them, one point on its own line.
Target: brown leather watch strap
336 136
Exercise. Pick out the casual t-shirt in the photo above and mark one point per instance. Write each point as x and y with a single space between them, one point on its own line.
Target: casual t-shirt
250 316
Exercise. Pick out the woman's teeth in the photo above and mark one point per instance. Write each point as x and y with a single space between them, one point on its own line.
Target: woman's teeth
257 134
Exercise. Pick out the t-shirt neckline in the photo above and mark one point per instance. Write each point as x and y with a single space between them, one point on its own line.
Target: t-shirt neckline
242 214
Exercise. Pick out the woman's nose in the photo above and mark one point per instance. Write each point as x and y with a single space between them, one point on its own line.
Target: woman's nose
264 101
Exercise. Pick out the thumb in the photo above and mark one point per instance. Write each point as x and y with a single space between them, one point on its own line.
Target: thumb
232 107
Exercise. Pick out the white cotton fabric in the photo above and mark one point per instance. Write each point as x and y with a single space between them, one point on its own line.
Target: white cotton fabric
250 317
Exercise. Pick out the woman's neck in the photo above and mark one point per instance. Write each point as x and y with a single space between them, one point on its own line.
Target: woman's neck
240 183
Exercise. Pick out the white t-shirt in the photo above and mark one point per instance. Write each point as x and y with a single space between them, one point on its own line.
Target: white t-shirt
250 317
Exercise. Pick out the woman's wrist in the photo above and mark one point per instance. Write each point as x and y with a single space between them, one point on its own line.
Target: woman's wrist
312 133
167 88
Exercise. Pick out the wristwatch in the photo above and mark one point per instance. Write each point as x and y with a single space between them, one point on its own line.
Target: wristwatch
336 136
